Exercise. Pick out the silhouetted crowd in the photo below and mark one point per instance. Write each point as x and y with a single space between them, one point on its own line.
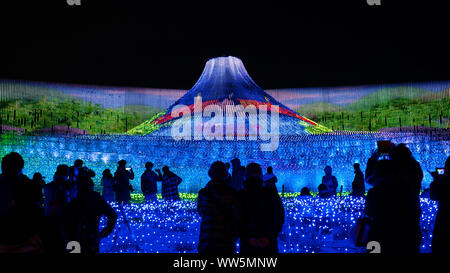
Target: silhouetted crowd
42 218
242 206
239 203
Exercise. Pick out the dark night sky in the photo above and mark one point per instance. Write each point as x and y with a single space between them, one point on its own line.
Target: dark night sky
128 43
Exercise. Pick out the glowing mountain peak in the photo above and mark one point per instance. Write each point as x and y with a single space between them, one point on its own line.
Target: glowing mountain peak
225 81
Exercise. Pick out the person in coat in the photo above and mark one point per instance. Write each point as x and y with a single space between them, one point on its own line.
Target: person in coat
170 182
393 203
122 186
237 174
330 181
358 186
108 186
148 183
217 206
261 214
270 179
81 217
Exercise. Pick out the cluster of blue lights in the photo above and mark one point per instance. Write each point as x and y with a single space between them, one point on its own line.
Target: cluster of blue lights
312 225
299 161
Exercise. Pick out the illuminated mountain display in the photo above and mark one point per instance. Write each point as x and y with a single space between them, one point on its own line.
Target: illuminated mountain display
225 81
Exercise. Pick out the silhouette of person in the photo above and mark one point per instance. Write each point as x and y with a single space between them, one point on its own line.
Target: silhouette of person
39 179
23 228
148 183
81 217
122 185
74 171
270 179
237 174
170 182
358 186
217 206
440 191
108 185
323 192
262 214
330 181
10 180
393 201
56 192
305 192
37 186
87 172
402 157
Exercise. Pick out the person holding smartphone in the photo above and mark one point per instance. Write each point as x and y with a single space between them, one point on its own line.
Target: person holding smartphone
393 203
440 191
122 178
170 182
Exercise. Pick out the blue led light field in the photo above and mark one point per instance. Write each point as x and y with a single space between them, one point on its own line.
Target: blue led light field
298 162
312 225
